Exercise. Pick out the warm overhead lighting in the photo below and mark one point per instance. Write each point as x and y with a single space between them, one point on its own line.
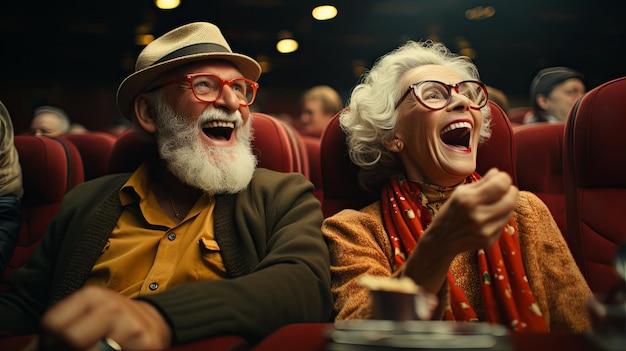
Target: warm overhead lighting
143 39
264 62
286 46
469 52
167 4
358 68
325 12
480 12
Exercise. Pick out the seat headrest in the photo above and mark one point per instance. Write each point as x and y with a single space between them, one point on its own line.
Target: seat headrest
598 120
50 168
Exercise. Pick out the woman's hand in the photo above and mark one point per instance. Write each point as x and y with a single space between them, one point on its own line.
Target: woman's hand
472 218
80 321
475 214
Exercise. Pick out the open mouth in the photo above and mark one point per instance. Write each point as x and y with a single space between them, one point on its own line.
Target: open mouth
220 130
457 135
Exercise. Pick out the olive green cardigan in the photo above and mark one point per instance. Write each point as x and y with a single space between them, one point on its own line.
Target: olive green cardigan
271 244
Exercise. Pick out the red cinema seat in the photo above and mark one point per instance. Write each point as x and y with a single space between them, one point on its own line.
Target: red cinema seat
278 146
594 169
499 150
539 149
50 168
129 150
313 146
95 149
339 174
517 115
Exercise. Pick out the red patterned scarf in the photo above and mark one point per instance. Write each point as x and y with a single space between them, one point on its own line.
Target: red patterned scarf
506 294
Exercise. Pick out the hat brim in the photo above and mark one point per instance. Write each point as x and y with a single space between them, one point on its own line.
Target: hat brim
137 82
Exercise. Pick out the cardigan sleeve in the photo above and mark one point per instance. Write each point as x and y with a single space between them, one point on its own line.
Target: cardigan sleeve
558 285
359 245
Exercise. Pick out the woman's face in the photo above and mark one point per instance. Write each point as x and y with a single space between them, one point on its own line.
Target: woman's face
437 146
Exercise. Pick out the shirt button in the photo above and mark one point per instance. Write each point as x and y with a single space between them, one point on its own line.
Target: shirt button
171 236
153 286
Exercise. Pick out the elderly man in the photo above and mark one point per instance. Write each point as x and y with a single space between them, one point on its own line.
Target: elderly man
196 242
50 121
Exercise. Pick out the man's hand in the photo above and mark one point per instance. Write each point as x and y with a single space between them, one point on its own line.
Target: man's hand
80 321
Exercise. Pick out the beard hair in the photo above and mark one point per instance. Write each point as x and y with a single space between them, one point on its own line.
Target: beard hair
213 169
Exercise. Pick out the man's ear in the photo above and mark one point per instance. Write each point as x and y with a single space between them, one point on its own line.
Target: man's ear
542 101
144 112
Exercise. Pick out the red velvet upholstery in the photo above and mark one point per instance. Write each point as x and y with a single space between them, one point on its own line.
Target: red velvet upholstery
517 115
595 181
50 168
313 146
278 146
129 150
499 150
274 144
339 174
95 149
539 149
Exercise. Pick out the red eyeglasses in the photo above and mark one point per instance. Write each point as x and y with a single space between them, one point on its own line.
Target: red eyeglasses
209 87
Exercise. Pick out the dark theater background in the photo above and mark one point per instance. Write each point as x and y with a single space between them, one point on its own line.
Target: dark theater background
73 54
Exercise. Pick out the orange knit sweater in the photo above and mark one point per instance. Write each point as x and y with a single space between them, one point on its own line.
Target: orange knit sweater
359 245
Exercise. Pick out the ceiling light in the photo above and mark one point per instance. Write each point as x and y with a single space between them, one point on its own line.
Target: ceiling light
286 46
480 13
167 4
325 12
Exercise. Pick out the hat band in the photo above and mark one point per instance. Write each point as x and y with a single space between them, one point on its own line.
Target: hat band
201 48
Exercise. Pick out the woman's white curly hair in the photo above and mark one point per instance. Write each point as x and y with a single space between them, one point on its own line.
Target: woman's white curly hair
371 117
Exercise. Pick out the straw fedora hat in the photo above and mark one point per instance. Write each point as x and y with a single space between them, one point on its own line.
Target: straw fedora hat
189 43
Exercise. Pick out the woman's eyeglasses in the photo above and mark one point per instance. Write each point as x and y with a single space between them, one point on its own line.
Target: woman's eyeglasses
209 87
435 95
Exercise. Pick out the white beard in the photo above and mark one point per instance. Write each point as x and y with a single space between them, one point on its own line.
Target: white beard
213 169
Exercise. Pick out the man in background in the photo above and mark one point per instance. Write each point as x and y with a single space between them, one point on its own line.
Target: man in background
553 93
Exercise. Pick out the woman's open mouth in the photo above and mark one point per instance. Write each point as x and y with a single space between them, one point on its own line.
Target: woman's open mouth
457 135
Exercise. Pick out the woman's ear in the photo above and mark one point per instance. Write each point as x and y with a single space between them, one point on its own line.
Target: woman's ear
144 112
394 145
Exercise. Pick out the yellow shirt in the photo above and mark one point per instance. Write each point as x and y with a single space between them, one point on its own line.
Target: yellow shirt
148 253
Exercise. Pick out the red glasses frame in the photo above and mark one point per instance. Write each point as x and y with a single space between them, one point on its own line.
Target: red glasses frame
190 77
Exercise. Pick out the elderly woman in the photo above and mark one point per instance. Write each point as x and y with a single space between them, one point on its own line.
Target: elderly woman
489 252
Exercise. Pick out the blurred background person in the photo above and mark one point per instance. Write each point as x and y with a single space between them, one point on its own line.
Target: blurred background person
319 105
10 190
500 98
52 121
553 93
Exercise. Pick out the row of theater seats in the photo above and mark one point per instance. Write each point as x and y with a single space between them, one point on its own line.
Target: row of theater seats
577 168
